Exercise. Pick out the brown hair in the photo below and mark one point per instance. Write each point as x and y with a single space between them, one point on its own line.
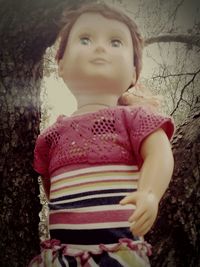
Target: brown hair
71 15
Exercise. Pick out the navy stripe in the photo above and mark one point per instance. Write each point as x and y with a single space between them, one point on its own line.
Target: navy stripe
92 237
90 193
71 261
87 203
60 258
106 261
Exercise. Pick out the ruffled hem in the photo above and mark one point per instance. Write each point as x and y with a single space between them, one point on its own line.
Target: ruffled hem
142 248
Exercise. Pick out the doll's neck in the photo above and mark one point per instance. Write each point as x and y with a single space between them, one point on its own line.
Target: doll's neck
93 105
90 104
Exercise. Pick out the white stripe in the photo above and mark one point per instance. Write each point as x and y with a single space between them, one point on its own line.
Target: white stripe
68 191
138 261
91 248
78 261
92 262
96 169
119 259
97 208
98 177
87 197
89 226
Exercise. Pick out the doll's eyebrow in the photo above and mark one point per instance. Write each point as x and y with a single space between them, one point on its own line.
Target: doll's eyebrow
85 30
117 33
114 33
84 34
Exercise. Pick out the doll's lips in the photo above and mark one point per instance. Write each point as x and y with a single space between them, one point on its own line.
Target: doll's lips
99 61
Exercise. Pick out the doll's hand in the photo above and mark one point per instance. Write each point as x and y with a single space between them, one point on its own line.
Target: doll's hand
146 211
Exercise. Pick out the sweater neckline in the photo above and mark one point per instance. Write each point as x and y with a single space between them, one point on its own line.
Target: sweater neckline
93 112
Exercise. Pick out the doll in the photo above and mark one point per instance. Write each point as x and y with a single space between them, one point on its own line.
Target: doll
105 167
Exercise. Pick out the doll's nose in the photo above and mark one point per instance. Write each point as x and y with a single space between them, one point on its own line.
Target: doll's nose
100 48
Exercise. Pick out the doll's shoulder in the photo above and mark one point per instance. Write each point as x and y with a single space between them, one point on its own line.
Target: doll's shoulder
51 134
140 113
144 113
142 120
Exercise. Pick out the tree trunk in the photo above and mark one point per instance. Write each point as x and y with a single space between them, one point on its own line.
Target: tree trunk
21 53
176 235
19 202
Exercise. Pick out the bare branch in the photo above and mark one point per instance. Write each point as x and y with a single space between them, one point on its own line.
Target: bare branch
172 16
173 75
189 104
179 38
183 90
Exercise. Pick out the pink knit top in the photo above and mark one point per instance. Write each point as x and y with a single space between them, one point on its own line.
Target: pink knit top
107 136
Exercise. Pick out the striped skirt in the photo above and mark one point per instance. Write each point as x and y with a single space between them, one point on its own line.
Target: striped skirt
126 253
90 224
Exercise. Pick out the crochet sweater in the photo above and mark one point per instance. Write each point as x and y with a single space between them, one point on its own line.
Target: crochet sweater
107 136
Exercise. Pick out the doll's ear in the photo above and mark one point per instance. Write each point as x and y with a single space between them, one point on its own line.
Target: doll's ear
60 68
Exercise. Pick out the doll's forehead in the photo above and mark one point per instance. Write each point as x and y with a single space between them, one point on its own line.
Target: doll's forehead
94 21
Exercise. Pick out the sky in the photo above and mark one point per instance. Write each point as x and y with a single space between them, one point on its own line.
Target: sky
59 98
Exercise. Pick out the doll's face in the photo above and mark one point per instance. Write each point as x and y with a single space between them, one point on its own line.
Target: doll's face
99 52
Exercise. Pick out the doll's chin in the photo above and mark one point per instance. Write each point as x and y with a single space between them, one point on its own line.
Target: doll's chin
96 83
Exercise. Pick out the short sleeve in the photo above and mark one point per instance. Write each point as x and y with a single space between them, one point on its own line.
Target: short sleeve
45 142
142 122
41 156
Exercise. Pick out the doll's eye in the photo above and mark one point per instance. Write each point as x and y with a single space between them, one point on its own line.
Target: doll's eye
85 41
116 43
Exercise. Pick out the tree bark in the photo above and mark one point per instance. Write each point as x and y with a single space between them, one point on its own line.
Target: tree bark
20 77
19 203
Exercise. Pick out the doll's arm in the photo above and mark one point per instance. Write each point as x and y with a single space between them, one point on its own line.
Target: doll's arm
158 165
154 179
